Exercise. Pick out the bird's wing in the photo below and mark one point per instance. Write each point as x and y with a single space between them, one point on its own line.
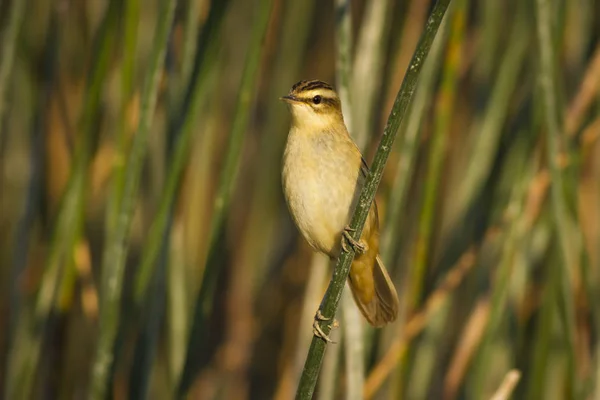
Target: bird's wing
364 168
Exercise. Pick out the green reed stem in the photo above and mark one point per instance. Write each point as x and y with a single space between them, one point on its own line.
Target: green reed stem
131 18
562 226
332 298
115 252
541 351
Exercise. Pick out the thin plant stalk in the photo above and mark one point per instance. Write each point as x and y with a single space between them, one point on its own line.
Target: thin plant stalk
343 62
507 386
312 295
227 181
331 366
131 18
561 219
146 342
354 348
340 274
190 35
543 336
113 264
177 305
368 66
490 23
352 324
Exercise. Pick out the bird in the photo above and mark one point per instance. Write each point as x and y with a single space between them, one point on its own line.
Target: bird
323 172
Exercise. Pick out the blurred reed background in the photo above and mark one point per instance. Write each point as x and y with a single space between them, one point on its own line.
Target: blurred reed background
145 248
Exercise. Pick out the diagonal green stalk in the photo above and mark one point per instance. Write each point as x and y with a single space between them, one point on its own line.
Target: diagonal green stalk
131 18
225 188
561 219
113 263
332 298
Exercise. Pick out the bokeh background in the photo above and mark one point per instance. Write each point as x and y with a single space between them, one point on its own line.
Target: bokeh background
146 250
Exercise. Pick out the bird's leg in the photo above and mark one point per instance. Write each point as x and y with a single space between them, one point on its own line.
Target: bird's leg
317 331
358 245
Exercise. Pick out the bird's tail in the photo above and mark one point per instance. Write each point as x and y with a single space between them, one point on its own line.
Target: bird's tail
373 290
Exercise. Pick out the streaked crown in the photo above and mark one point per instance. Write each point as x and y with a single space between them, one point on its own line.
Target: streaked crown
319 95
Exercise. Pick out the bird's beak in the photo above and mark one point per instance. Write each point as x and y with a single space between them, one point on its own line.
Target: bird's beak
289 99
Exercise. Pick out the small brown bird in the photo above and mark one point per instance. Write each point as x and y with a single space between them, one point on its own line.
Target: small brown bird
323 174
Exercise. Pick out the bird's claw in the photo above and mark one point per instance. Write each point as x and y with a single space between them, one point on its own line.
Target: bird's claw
318 332
357 245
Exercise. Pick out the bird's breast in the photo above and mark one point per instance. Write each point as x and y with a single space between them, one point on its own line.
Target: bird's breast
321 180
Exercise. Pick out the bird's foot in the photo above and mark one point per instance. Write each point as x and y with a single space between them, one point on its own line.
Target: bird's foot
318 332
358 246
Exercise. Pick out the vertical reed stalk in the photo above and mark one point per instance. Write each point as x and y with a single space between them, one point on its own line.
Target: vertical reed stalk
566 264
131 22
368 68
352 324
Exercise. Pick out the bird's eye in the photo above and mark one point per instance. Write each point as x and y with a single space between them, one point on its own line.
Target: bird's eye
317 99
